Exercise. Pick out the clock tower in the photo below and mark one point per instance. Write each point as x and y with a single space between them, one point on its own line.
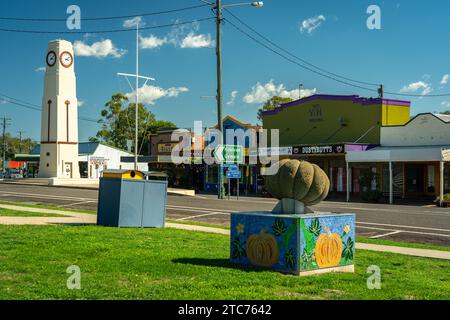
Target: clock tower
59 122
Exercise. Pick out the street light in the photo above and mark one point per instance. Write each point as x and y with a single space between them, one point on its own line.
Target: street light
218 8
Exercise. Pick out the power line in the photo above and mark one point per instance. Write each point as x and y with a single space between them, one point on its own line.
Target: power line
105 18
106 31
295 56
295 62
34 107
328 76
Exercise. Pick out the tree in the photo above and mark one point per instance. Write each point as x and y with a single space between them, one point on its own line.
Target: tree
118 123
271 104
15 146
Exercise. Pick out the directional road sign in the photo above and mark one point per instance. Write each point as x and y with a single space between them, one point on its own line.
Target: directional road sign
233 174
229 153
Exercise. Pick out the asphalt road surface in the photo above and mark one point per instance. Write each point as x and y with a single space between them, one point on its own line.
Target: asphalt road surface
418 224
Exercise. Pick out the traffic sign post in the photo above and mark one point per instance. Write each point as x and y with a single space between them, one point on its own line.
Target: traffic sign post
234 174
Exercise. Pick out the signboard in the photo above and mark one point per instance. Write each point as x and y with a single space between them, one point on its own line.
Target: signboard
231 167
166 148
319 149
98 161
232 174
229 154
275 151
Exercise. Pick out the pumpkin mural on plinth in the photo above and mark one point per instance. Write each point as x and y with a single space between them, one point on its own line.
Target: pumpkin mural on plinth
287 239
262 249
328 249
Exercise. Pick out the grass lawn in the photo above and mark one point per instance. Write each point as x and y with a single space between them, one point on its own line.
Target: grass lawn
14 213
42 206
177 264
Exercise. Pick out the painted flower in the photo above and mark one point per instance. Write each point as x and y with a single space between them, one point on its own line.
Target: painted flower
240 228
347 229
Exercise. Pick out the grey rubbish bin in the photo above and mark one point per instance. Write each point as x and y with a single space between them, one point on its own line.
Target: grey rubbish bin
127 198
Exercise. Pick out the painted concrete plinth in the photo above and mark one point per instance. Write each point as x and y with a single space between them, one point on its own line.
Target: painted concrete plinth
299 244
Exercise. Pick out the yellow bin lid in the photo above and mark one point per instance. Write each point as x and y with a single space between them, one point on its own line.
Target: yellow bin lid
124 174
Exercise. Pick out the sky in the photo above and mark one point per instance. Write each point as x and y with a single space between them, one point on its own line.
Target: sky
409 55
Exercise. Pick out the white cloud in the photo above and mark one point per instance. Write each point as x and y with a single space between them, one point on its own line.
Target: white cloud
131 23
149 94
311 24
40 69
151 42
445 79
193 40
232 98
80 103
260 93
182 36
100 49
417 86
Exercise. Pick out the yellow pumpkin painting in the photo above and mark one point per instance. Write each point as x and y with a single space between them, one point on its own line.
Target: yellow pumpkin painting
262 249
328 249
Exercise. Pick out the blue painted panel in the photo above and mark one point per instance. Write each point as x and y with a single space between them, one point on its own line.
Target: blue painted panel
154 207
108 202
131 201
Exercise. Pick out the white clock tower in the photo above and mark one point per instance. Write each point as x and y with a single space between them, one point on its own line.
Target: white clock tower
59 123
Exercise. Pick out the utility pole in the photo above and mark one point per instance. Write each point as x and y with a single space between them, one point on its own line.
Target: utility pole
5 122
220 188
20 140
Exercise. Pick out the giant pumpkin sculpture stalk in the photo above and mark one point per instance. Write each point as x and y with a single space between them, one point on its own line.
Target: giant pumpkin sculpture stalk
262 249
328 249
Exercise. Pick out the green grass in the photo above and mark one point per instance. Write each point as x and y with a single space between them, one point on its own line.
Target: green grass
42 206
15 213
175 264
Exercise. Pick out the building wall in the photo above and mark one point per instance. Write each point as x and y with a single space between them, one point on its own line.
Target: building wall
333 119
423 130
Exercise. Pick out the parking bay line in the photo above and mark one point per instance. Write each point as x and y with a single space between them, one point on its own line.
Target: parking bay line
405 231
386 234
200 215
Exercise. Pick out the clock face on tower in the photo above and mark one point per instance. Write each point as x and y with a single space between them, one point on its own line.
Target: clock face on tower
51 58
66 59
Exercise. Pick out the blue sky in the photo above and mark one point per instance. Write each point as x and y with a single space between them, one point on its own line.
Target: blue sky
409 54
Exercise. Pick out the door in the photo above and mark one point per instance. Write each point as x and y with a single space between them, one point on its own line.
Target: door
415 179
68 169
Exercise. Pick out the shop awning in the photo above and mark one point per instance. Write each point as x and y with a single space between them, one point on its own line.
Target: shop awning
401 154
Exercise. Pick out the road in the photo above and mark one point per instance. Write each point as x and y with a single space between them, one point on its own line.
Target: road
417 224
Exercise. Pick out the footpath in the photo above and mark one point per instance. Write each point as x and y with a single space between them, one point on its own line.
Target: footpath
71 218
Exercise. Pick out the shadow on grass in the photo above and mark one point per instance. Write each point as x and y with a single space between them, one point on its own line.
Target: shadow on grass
221 263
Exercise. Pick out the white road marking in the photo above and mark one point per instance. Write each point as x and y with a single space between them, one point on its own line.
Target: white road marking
406 231
46 196
201 215
402 226
76 203
386 234
197 208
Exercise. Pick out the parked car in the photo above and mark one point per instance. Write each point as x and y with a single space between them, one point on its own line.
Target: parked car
14 174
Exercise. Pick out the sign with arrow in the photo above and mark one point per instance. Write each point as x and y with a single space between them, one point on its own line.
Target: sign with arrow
229 154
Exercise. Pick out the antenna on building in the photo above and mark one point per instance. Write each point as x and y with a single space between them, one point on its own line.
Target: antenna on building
381 91
300 88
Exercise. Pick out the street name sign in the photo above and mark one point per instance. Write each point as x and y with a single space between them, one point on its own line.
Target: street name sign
229 153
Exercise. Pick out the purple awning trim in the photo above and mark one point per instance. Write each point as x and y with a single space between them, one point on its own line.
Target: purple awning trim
353 98
359 147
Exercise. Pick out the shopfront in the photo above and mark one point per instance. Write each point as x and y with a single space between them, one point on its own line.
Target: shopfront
414 158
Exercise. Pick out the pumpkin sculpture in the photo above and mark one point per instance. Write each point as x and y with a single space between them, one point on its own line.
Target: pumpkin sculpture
262 249
299 180
328 249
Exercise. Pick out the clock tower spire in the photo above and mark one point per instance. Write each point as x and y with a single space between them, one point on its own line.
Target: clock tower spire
59 122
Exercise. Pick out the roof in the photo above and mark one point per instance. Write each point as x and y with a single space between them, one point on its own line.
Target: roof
364 101
84 148
443 117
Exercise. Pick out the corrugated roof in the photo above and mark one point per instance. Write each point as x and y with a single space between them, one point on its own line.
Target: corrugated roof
84 148
443 117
